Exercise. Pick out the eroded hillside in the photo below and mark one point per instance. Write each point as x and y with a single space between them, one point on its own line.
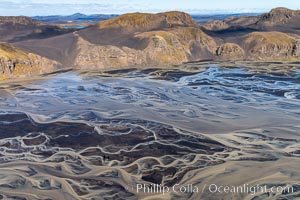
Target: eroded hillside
170 38
17 63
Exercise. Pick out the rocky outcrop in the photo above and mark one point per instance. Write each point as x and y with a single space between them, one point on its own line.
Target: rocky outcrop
177 45
91 56
17 63
296 49
164 47
271 46
230 51
278 16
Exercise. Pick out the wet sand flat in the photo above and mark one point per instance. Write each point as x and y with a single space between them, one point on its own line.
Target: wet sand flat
99 135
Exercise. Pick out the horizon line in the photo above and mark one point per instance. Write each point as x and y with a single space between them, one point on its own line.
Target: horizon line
206 13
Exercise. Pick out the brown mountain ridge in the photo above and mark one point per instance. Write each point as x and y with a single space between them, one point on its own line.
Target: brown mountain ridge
13 29
170 38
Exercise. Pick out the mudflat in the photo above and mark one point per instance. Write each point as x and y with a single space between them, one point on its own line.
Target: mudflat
99 135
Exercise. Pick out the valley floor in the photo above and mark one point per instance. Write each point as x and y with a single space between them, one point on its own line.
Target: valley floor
101 135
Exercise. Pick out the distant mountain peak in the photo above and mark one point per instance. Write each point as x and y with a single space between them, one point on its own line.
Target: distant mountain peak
78 15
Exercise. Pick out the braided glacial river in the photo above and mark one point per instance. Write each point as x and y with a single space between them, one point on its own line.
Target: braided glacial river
88 135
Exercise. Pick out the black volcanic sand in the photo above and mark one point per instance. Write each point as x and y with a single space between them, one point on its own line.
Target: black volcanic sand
89 135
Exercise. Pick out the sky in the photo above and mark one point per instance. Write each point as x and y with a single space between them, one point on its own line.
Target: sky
67 7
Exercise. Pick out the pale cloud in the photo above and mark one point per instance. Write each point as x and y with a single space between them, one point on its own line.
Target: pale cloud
38 7
53 7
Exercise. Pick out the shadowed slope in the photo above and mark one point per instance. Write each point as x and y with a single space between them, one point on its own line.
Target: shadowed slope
14 29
